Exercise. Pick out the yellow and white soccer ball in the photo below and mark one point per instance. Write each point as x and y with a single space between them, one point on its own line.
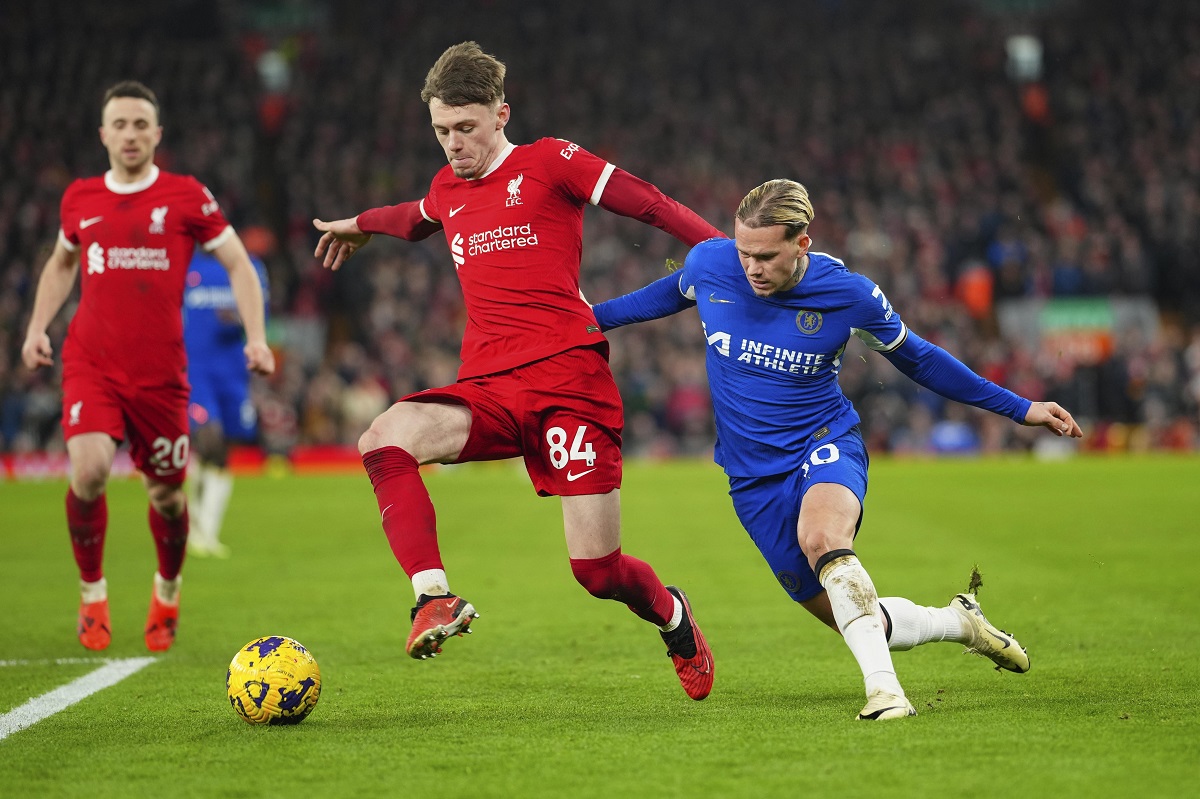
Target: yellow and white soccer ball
273 680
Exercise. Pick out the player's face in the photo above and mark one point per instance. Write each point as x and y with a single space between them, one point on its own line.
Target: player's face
471 135
130 132
770 261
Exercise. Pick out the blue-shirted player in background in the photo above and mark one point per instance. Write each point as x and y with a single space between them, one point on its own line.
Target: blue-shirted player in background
777 319
220 409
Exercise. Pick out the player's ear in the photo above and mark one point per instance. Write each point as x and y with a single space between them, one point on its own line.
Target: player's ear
804 242
502 115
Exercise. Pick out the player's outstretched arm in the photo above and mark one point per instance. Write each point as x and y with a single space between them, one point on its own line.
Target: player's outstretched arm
1054 418
247 293
633 197
342 238
53 288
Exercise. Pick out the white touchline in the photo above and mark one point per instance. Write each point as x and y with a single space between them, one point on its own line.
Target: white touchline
55 662
48 704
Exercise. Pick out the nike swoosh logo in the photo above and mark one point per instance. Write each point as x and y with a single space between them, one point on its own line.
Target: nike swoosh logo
713 298
1002 640
86 223
385 510
454 211
571 478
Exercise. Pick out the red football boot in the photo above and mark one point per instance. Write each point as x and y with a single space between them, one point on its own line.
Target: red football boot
689 651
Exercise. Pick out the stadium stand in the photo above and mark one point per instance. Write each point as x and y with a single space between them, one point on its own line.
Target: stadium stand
1037 216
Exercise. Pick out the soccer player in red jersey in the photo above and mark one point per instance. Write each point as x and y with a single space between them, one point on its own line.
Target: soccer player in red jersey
534 381
124 364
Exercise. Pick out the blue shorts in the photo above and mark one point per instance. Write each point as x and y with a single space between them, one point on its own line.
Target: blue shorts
223 396
769 507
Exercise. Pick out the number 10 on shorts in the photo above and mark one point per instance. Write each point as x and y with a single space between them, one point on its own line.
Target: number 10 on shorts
580 450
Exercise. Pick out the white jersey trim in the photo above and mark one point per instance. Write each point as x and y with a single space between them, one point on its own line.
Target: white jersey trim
217 240
600 184
65 242
500 159
427 219
877 345
111 184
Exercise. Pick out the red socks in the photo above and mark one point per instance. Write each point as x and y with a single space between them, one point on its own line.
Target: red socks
87 522
626 579
170 539
411 529
408 517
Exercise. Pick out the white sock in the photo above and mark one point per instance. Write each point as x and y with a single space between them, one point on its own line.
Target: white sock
856 611
93 592
676 616
431 582
218 486
166 590
913 625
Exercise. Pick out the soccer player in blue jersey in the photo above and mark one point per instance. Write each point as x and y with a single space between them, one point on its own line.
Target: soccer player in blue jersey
777 318
220 408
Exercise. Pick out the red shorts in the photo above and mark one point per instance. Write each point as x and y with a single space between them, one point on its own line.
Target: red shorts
154 420
562 414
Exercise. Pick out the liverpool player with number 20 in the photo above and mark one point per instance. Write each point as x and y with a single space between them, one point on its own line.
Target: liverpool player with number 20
535 381
124 364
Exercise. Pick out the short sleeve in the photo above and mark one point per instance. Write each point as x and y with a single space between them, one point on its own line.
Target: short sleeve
207 225
576 172
68 232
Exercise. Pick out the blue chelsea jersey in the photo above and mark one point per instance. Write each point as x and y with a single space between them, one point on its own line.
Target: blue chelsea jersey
212 327
773 362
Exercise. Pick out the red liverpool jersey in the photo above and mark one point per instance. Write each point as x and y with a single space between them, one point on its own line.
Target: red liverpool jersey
516 237
136 240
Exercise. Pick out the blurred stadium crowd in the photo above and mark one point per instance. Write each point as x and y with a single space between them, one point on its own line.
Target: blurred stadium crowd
972 180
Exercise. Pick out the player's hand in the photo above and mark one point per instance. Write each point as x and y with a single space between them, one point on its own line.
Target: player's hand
1054 418
36 351
342 239
259 358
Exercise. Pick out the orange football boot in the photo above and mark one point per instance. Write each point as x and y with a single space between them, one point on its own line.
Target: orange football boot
95 631
161 624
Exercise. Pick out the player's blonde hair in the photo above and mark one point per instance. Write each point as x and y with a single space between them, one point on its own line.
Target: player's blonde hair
777 202
464 75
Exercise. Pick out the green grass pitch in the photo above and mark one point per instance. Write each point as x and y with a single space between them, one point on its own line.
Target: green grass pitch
1092 563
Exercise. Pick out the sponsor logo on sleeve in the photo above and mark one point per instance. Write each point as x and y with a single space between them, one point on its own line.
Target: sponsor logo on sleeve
210 207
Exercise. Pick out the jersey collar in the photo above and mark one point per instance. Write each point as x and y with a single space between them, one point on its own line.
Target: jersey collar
500 159
130 188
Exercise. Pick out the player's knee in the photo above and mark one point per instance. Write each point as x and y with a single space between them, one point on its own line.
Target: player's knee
88 479
817 541
168 500
600 577
370 440
209 445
